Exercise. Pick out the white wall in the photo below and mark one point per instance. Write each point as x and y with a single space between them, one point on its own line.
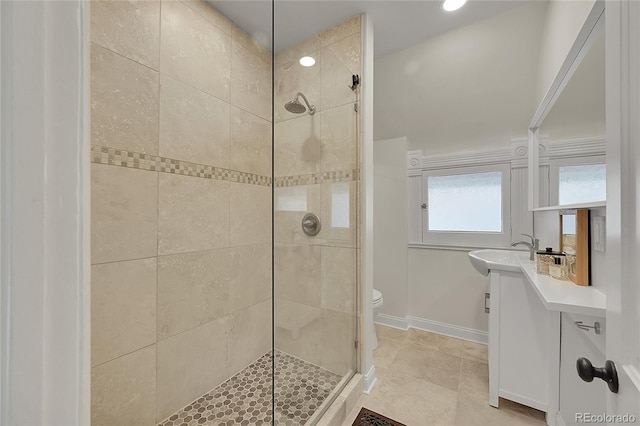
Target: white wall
444 287
390 227
467 89
563 21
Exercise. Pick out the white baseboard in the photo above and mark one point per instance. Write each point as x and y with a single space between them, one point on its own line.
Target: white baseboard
369 380
391 321
451 330
559 420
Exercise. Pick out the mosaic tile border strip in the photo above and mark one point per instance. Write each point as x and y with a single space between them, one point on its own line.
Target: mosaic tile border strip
316 178
137 160
245 399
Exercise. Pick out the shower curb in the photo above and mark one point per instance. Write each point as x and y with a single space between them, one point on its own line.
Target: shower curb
337 412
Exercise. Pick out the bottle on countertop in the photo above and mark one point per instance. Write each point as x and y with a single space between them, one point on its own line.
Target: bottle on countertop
558 269
544 259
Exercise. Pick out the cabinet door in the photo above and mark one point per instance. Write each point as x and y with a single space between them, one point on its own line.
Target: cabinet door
524 343
576 396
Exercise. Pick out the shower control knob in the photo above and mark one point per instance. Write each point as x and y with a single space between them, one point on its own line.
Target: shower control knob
311 224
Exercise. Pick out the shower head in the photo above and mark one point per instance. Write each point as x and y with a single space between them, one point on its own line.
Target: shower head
296 107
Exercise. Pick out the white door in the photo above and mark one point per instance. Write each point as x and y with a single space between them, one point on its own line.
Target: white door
623 208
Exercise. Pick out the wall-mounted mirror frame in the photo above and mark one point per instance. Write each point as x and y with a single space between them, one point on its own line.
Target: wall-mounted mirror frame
585 39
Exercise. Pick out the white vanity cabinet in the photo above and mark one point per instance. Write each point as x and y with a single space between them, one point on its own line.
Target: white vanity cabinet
576 396
519 342
534 341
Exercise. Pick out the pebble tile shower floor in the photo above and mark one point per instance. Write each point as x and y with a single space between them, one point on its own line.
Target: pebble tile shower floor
245 399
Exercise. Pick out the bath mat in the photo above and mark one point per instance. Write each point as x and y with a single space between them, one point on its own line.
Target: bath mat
371 418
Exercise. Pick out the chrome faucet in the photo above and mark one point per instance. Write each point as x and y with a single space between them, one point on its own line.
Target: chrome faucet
532 246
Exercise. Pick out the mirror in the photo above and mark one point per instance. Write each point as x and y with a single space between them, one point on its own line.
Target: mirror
574 242
569 136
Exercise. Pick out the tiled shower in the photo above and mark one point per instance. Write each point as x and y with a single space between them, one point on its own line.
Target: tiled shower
203 284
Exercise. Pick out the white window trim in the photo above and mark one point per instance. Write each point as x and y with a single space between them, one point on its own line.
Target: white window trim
462 238
554 172
520 217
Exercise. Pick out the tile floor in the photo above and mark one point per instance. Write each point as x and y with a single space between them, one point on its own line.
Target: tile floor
429 379
245 399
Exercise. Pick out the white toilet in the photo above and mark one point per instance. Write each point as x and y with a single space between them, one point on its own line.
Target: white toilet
377 305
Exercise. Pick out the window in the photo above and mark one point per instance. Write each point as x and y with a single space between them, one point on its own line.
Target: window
467 206
577 180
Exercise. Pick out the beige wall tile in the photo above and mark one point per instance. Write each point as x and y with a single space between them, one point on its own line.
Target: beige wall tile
124 206
250 82
339 210
253 45
297 51
124 102
194 126
193 289
122 294
292 203
338 272
334 81
130 28
249 335
298 330
338 130
195 51
250 280
209 13
338 336
191 364
250 221
291 78
123 391
250 143
348 51
334 202
193 214
340 31
297 273
297 146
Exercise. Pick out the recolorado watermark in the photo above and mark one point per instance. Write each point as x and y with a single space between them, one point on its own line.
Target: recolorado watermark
605 418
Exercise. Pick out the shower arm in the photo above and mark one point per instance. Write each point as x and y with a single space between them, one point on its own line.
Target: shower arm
312 108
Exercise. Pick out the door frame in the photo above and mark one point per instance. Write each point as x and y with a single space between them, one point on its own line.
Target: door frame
44 213
623 199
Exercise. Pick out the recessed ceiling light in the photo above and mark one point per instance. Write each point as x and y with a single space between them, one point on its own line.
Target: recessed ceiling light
451 5
308 61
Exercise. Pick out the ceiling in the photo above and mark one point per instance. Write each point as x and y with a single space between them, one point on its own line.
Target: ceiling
397 23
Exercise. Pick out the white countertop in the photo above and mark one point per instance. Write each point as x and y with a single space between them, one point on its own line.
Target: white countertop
565 296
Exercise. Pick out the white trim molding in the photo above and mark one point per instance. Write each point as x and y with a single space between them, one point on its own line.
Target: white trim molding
45 202
517 155
369 380
445 329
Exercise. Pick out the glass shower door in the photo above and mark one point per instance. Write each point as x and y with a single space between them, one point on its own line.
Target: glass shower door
316 239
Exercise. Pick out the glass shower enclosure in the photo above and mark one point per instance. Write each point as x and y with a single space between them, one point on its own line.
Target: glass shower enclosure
224 211
316 239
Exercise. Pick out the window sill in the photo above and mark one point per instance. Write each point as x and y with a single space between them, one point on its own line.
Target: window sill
460 247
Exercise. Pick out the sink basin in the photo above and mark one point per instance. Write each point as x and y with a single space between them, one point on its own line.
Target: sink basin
501 260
